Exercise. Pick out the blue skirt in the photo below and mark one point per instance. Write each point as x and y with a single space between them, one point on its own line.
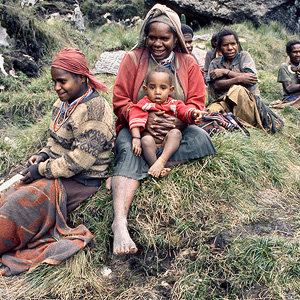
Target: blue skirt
195 144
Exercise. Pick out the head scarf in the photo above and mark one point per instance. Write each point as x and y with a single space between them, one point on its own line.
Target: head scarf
155 15
74 61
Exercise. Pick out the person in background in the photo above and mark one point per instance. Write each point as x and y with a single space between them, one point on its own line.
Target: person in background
160 43
67 171
199 54
233 81
289 73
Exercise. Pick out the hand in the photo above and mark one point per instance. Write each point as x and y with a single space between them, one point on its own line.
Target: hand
197 115
159 124
27 177
136 146
35 159
217 73
246 78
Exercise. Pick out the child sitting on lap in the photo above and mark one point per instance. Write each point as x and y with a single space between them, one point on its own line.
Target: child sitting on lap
158 88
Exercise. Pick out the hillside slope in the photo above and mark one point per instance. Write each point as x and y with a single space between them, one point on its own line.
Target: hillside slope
225 227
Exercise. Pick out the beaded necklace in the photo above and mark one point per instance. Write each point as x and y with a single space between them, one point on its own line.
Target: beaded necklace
66 110
167 62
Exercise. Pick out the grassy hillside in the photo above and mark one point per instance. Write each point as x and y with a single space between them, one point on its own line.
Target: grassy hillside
225 227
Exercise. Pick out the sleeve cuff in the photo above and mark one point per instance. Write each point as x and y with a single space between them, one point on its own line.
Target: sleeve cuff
44 155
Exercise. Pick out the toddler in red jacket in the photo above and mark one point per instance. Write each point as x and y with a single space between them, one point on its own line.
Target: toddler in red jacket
158 88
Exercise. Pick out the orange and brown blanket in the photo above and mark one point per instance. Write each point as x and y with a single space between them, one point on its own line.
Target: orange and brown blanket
33 227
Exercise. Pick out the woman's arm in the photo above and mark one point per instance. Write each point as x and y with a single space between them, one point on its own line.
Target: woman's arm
291 88
124 87
193 83
223 79
90 140
242 78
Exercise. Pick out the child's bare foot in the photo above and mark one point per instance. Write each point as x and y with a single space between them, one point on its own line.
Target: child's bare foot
164 172
108 185
157 167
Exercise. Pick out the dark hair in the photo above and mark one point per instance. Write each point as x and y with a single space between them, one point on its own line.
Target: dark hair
187 30
290 45
214 39
159 69
147 29
224 32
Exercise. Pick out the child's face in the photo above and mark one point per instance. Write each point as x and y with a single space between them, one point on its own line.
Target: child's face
295 54
158 88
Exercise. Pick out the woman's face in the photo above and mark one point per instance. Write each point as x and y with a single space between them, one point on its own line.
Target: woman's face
68 86
160 40
229 47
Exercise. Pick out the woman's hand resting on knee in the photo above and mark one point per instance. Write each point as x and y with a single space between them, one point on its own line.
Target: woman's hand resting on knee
159 124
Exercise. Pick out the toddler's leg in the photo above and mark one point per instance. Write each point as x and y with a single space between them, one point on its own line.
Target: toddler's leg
149 149
172 141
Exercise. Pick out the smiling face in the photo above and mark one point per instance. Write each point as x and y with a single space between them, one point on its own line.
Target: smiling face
295 54
68 86
158 87
229 47
161 40
188 39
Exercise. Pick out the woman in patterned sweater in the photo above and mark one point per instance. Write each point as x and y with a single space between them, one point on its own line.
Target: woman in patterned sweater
68 170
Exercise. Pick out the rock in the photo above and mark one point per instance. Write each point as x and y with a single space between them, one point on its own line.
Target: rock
105 271
19 61
202 12
78 18
4 38
2 65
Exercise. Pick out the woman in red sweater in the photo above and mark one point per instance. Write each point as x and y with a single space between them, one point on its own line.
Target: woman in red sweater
160 43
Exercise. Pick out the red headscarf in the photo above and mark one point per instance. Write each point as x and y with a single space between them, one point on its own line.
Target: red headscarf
74 61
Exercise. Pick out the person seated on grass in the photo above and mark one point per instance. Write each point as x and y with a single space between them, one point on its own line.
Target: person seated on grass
68 170
233 83
211 54
289 74
188 35
158 88
160 43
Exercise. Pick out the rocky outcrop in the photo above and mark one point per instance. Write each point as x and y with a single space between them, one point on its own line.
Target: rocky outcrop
202 12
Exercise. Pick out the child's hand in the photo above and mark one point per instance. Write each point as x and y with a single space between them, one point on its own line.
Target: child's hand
136 146
197 115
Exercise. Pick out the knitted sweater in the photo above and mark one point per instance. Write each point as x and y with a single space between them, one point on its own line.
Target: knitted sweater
83 143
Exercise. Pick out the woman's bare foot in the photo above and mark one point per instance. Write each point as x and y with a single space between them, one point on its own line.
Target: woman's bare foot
164 172
156 169
123 244
108 185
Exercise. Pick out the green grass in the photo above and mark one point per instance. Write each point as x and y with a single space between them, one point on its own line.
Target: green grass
224 227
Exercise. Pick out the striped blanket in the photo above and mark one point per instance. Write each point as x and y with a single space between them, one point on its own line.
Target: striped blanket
33 227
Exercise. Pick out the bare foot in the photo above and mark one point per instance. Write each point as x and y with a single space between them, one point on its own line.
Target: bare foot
123 244
108 185
156 169
164 172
